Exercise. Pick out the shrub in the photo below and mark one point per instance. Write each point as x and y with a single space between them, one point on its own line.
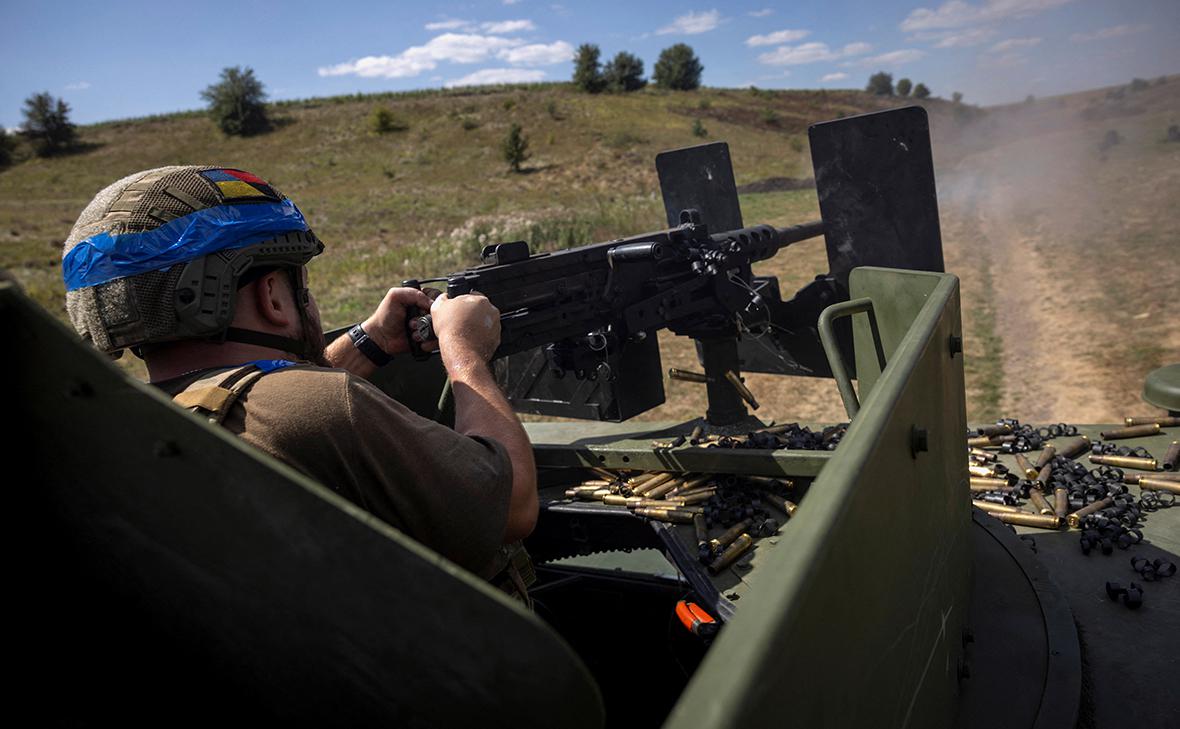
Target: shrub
704 104
770 116
468 124
587 75
904 86
47 124
383 121
957 97
1111 139
1139 84
515 148
236 102
624 73
880 84
921 91
554 113
698 129
678 68
5 148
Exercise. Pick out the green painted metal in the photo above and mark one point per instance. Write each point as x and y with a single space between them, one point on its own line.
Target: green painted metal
827 335
173 568
1162 388
862 625
629 445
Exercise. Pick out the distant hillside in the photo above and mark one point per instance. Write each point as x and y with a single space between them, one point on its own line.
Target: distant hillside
422 201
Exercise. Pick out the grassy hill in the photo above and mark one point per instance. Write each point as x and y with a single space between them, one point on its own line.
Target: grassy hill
423 201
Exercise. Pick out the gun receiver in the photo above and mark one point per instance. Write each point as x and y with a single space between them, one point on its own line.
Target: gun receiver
685 279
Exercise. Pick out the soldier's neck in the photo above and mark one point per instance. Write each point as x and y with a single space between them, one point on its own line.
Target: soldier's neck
181 358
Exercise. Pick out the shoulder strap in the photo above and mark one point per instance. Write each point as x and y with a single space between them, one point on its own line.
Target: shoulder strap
214 394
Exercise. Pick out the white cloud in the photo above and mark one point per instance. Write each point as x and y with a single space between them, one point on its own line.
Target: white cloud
538 54
1111 32
77 86
811 53
958 14
693 23
449 47
1013 44
776 38
488 76
957 38
894 58
511 2
451 25
764 12
838 76
507 26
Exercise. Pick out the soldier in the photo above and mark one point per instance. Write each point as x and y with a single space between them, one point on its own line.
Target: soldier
201 272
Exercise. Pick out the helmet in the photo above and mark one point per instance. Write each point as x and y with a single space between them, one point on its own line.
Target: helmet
159 255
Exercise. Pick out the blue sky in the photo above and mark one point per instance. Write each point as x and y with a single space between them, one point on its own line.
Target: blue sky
121 59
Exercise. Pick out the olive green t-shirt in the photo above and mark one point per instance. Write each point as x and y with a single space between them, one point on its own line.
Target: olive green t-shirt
446 490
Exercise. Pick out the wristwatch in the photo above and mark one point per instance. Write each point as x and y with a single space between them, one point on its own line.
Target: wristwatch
368 347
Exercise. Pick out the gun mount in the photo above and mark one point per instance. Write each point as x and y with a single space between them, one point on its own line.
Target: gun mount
577 325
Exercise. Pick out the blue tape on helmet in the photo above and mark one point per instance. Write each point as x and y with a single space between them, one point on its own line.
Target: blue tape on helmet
105 257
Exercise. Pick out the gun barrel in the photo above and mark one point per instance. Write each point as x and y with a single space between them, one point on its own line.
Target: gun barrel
764 241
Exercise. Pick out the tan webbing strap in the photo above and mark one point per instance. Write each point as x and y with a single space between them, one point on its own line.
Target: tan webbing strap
215 394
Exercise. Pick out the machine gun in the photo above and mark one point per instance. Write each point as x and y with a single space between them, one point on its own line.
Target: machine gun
578 326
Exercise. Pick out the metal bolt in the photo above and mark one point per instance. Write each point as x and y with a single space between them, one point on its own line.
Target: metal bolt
919 441
956 345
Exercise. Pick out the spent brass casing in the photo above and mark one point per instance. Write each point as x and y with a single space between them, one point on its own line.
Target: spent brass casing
1023 518
1150 483
642 478
1134 478
998 429
983 455
981 441
784 505
989 484
698 496
732 553
691 484
645 487
1025 467
1163 421
1039 502
674 516
1046 455
686 376
662 489
995 508
1139 464
596 495
1061 501
596 483
702 530
979 488
770 482
695 436
605 474
1172 457
726 538
1045 474
1074 447
616 500
982 471
1134 431
742 390
1075 518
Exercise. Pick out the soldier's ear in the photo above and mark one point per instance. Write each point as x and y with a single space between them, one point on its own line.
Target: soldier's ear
274 300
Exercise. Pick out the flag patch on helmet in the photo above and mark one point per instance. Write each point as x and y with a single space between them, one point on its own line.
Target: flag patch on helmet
238 185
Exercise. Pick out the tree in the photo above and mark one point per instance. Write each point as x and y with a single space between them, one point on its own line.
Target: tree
384 121
624 73
904 86
5 148
957 97
587 75
236 102
698 129
515 148
47 124
921 92
678 68
881 84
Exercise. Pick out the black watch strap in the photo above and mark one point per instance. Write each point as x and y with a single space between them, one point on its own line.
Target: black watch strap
368 347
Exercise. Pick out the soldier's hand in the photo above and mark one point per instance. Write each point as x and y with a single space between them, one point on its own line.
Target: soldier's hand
387 325
467 327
